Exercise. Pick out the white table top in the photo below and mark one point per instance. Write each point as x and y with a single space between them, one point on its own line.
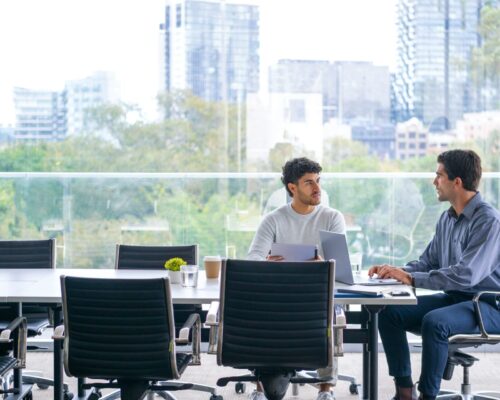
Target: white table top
43 286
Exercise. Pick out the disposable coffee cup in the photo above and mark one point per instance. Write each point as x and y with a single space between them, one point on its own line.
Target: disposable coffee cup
212 266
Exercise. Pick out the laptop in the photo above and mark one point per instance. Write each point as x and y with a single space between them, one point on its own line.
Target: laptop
335 247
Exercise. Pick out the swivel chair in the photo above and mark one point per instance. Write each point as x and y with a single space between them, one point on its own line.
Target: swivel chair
122 331
32 254
275 319
457 357
154 257
13 357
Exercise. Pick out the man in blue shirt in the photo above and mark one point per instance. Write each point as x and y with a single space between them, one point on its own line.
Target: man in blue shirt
462 259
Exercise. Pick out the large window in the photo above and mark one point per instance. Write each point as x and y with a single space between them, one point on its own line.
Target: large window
168 122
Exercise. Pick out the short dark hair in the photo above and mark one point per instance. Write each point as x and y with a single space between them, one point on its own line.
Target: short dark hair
296 168
464 164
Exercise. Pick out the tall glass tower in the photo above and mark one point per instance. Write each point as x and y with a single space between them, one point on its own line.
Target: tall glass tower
211 48
435 42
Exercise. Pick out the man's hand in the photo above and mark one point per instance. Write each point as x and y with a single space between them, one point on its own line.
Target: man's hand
385 271
274 258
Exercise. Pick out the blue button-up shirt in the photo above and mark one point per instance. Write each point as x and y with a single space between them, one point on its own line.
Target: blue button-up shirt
464 254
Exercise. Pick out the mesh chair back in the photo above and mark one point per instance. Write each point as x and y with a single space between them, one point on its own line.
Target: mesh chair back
118 328
276 315
28 253
152 257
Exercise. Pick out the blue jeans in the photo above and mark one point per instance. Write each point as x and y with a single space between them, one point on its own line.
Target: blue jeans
437 317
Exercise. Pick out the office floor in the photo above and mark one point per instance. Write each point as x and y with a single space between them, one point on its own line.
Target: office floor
484 376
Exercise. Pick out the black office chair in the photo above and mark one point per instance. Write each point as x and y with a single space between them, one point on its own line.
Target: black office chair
122 331
275 319
457 357
154 257
13 356
29 254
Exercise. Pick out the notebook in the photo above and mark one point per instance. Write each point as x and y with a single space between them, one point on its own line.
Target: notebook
335 247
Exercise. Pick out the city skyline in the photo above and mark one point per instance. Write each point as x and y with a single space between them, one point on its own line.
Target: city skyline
48 43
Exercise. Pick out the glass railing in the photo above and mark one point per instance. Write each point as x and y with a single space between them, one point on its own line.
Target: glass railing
390 216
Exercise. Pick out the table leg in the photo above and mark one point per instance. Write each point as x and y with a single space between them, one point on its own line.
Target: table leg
373 350
18 374
373 355
58 360
366 359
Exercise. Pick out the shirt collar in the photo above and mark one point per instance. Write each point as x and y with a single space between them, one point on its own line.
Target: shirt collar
469 209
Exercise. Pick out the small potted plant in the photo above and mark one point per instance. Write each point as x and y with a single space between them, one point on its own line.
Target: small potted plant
174 269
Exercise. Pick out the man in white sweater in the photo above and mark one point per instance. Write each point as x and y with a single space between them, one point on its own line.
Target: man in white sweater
298 222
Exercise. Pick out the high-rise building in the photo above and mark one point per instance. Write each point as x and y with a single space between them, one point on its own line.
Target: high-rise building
435 42
351 90
210 47
52 115
40 114
84 94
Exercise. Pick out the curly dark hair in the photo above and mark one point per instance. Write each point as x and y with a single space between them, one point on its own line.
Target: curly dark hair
296 168
464 164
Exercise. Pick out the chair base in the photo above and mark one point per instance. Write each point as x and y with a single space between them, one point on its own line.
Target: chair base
162 388
274 384
466 394
353 386
36 378
24 394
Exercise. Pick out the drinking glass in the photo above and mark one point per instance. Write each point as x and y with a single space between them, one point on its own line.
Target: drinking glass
356 260
189 275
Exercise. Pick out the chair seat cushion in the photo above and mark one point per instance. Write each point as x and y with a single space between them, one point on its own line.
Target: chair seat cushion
6 364
183 360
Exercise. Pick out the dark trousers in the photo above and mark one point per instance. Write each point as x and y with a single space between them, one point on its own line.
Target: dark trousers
436 317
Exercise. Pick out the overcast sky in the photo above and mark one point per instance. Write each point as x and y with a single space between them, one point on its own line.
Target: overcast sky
45 43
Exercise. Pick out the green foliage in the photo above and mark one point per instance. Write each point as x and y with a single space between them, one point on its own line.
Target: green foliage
174 264
90 216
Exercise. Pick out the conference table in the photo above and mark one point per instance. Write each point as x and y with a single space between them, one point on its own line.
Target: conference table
43 286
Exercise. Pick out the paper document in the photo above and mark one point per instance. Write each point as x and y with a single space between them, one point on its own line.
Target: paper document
294 252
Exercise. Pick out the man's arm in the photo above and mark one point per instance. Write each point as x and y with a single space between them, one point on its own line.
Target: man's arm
479 259
263 239
429 260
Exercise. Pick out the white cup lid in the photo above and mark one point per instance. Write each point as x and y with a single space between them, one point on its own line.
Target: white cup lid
212 258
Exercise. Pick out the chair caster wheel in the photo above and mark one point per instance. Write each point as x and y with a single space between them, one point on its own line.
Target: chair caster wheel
68 396
240 387
353 388
95 395
41 386
216 397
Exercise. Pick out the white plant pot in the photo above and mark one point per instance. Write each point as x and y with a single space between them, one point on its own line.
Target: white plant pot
175 276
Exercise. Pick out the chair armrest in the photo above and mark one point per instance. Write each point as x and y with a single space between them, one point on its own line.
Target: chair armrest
58 333
479 318
340 323
21 326
213 322
194 323
213 313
